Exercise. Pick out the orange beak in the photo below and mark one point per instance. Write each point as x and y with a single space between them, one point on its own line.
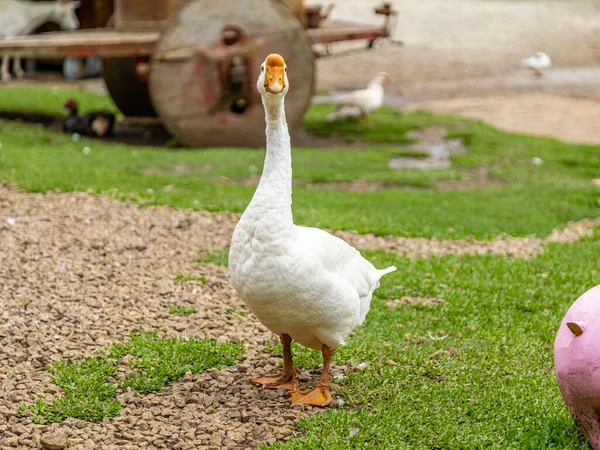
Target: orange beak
274 74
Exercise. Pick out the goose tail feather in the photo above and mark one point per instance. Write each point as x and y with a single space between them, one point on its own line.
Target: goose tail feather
386 271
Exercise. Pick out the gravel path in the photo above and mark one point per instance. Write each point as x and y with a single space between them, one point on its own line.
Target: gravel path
520 247
79 271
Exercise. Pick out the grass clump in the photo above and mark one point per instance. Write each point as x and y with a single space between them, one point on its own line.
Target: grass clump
235 312
49 101
185 278
88 392
159 362
182 310
386 125
220 258
89 386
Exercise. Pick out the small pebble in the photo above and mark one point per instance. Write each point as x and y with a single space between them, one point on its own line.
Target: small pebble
11 221
75 137
56 440
87 150
537 161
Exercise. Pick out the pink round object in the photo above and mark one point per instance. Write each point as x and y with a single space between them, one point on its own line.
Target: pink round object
577 363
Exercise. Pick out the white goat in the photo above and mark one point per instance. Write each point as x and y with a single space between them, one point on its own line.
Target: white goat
20 17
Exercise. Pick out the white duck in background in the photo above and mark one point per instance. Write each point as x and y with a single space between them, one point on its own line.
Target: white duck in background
537 63
302 283
357 104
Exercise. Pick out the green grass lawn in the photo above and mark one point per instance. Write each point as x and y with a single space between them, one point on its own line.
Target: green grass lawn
472 372
498 391
50 100
543 197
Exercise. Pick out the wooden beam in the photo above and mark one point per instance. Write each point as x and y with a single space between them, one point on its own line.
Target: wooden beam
328 34
101 42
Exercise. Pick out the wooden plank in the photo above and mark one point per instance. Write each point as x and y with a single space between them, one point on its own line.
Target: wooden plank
101 42
334 33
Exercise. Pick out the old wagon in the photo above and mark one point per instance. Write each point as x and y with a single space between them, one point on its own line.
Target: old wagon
193 63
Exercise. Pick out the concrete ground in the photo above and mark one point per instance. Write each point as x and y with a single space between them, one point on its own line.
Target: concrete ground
469 43
462 57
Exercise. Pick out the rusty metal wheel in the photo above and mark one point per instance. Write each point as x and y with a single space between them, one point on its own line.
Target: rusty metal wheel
127 88
205 65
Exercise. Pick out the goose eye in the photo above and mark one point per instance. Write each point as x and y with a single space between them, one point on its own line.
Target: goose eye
262 69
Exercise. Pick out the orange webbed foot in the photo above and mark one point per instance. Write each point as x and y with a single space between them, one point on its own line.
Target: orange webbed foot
284 381
319 396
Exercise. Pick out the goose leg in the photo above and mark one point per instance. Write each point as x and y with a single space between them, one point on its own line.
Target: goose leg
287 379
364 117
5 75
320 395
19 72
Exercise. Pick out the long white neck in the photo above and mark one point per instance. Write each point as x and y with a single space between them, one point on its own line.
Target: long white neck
375 85
36 14
273 195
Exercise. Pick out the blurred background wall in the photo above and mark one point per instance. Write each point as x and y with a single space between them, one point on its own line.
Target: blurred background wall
458 47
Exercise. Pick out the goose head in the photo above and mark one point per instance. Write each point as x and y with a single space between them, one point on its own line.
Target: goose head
272 81
382 78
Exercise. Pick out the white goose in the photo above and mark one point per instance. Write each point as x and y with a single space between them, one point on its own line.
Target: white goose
302 283
537 63
360 103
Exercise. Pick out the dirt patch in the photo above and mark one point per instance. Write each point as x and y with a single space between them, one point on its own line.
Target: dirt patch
520 247
177 169
569 119
360 185
302 138
78 272
408 300
475 179
431 141
574 231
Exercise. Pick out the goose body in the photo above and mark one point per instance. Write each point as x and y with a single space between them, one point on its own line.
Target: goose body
362 102
302 283
537 63
309 284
